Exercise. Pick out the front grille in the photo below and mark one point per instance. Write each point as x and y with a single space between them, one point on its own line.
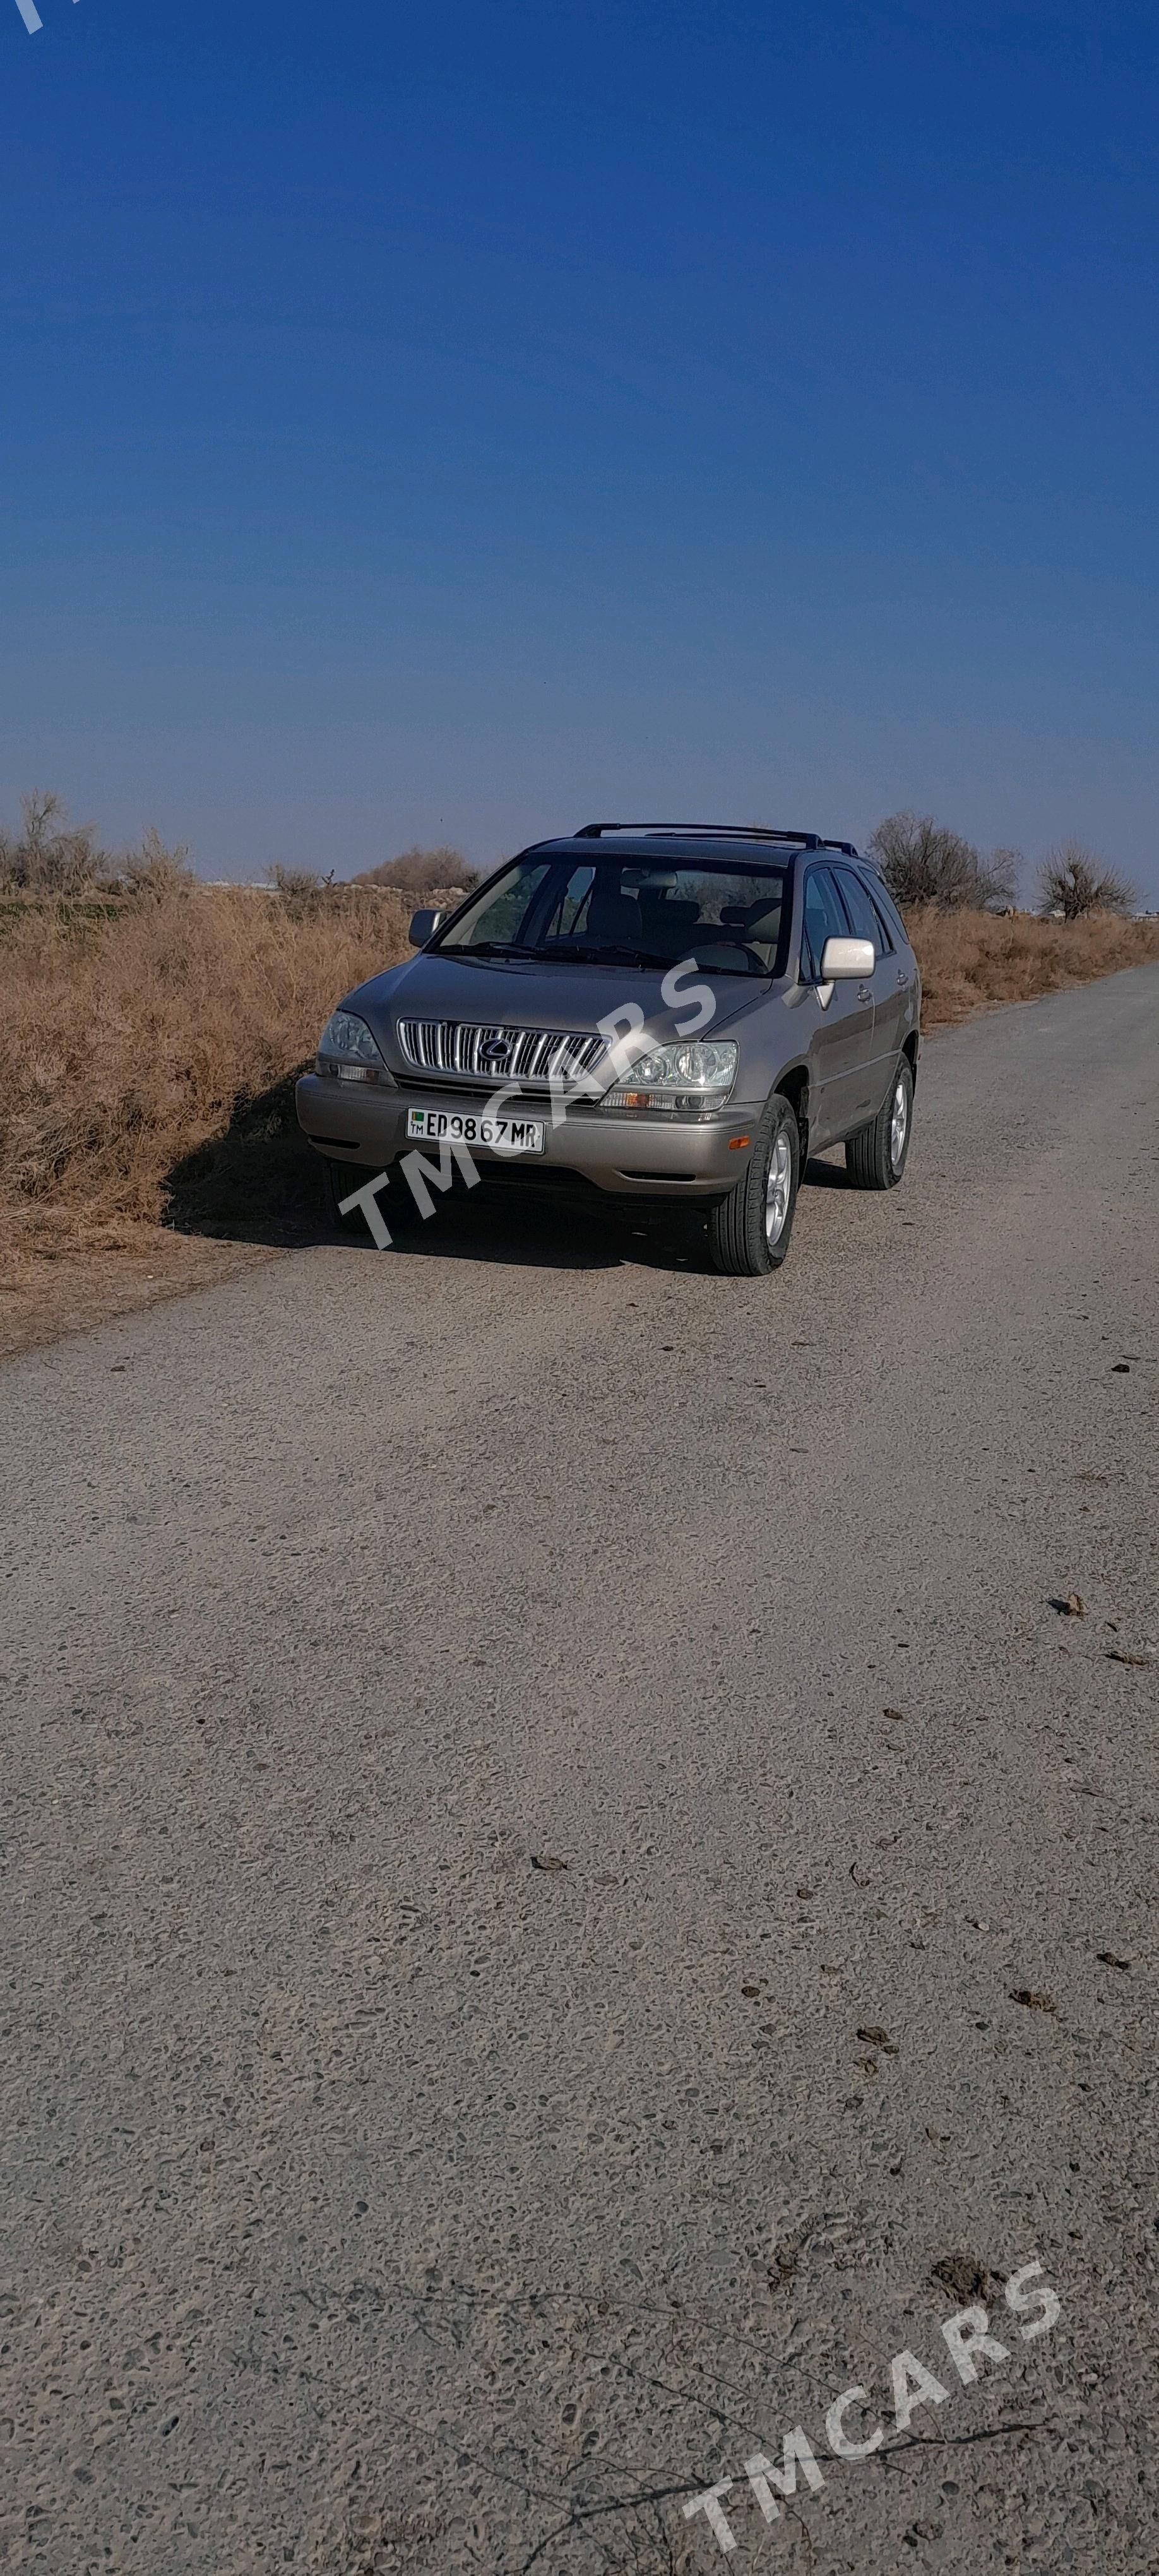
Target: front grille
540 1056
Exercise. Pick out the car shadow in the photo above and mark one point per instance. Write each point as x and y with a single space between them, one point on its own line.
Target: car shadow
255 1182
259 1182
542 1233
826 1176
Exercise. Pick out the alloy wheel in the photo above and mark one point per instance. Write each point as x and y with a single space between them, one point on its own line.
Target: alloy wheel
898 1124
778 1188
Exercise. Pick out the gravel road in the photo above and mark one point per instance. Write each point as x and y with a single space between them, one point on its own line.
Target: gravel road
383 2195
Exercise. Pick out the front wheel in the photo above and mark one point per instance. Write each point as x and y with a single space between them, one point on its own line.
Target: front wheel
875 1157
748 1232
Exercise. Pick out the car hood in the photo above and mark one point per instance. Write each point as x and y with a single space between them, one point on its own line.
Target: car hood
503 992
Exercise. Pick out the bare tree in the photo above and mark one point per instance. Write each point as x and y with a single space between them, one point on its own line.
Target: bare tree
50 855
1074 882
925 862
1007 867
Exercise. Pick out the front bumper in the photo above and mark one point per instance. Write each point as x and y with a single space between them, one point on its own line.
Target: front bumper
639 1157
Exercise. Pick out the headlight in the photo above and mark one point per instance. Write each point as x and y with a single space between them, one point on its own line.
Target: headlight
350 1050
682 1079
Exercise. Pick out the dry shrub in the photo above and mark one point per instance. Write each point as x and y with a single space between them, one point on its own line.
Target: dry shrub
423 872
972 960
303 889
138 1031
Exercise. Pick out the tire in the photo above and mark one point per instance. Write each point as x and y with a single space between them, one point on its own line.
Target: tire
748 1232
875 1157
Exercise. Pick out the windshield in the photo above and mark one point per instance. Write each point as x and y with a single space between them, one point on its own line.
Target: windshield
628 912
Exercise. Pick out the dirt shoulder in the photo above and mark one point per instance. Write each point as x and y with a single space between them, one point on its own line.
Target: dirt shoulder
46 1294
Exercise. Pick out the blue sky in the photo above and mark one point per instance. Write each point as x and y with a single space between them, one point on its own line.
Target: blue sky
455 423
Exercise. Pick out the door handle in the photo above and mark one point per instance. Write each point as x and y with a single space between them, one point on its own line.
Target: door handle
863 993
902 978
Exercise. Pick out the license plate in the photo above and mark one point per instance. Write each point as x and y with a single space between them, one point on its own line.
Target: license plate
463 1127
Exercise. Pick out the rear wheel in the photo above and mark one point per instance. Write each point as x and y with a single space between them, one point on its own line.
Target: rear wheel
875 1157
748 1232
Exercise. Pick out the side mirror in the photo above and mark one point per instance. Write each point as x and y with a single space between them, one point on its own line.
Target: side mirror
842 958
424 924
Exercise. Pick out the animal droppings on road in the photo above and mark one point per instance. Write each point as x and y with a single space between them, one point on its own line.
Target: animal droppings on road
966 2278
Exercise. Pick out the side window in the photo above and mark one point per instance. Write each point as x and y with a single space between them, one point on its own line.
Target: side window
860 910
885 903
888 943
823 919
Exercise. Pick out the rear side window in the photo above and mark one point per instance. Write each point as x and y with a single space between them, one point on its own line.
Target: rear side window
823 919
861 913
885 904
887 938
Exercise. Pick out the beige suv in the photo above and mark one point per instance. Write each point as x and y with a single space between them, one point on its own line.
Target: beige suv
653 1012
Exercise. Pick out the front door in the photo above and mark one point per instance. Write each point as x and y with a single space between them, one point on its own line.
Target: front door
843 1042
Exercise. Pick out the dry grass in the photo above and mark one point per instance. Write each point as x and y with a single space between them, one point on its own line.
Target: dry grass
971 961
147 1039
152 1041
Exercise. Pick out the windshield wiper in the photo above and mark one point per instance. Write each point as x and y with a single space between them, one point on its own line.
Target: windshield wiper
483 948
613 955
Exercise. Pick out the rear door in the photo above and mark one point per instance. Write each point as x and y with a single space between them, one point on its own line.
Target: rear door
843 1042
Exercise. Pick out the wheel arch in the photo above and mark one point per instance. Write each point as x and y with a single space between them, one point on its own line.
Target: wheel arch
794 1085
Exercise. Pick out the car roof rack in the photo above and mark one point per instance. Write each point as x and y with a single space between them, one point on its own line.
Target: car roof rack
709 832
849 848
